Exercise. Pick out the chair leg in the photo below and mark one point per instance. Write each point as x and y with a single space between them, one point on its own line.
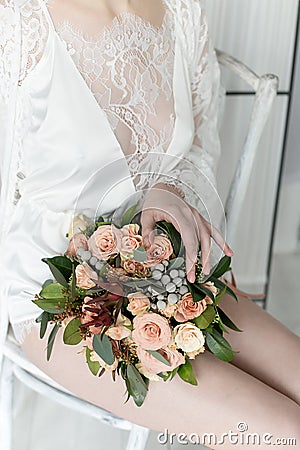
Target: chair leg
6 405
138 437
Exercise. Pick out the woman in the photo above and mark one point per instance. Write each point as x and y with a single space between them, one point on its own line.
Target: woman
112 98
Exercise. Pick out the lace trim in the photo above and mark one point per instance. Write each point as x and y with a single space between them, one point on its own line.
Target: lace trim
129 69
22 329
35 30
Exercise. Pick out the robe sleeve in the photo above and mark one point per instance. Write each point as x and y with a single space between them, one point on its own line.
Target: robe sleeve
195 174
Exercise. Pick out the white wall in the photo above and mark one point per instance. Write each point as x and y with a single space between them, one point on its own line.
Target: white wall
261 33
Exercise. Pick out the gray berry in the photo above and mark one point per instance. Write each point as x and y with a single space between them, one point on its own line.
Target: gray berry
174 273
93 260
177 281
171 287
80 251
161 304
165 279
156 275
99 265
159 267
86 255
165 262
173 299
183 290
181 273
160 297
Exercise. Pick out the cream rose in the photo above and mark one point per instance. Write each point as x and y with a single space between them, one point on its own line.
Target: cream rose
209 285
79 240
138 303
104 242
151 331
188 337
130 240
78 225
120 330
85 276
161 249
154 366
187 309
109 367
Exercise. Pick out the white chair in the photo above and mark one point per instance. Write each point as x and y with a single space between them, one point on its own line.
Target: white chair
16 365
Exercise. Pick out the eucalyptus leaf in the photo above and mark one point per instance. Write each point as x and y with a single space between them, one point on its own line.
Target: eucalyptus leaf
51 340
176 263
103 348
186 373
227 321
73 285
47 282
205 319
140 254
94 366
128 215
51 305
44 324
137 386
159 356
71 334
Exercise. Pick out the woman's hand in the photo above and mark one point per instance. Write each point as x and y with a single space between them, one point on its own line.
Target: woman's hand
164 203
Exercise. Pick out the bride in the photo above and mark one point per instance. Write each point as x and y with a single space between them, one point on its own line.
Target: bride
101 100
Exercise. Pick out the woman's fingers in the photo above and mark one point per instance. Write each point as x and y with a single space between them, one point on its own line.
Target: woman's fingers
218 238
148 226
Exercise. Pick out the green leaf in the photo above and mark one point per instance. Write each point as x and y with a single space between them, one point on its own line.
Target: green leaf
94 366
137 387
222 267
140 254
186 373
51 306
176 263
46 283
71 334
58 267
51 340
159 356
227 321
51 296
172 234
220 285
128 215
205 290
196 294
73 285
44 324
219 346
220 295
205 319
103 348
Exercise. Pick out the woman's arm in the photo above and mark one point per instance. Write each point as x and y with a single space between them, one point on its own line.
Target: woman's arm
188 196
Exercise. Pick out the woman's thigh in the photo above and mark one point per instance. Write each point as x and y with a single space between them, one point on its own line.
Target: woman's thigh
224 397
267 349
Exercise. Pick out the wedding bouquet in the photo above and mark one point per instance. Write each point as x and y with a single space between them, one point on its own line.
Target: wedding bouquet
133 309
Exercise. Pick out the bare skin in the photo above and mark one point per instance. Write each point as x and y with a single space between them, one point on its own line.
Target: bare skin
260 387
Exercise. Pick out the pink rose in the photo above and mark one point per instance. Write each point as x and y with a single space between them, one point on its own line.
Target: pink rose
130 240
85 276
151 331
79 240
153 366
187 309
138 303
104 242
161 249
135 267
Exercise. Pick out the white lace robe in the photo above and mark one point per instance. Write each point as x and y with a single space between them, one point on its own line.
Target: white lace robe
129 68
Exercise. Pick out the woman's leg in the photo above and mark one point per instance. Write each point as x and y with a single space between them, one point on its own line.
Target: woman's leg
268 350
224 397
